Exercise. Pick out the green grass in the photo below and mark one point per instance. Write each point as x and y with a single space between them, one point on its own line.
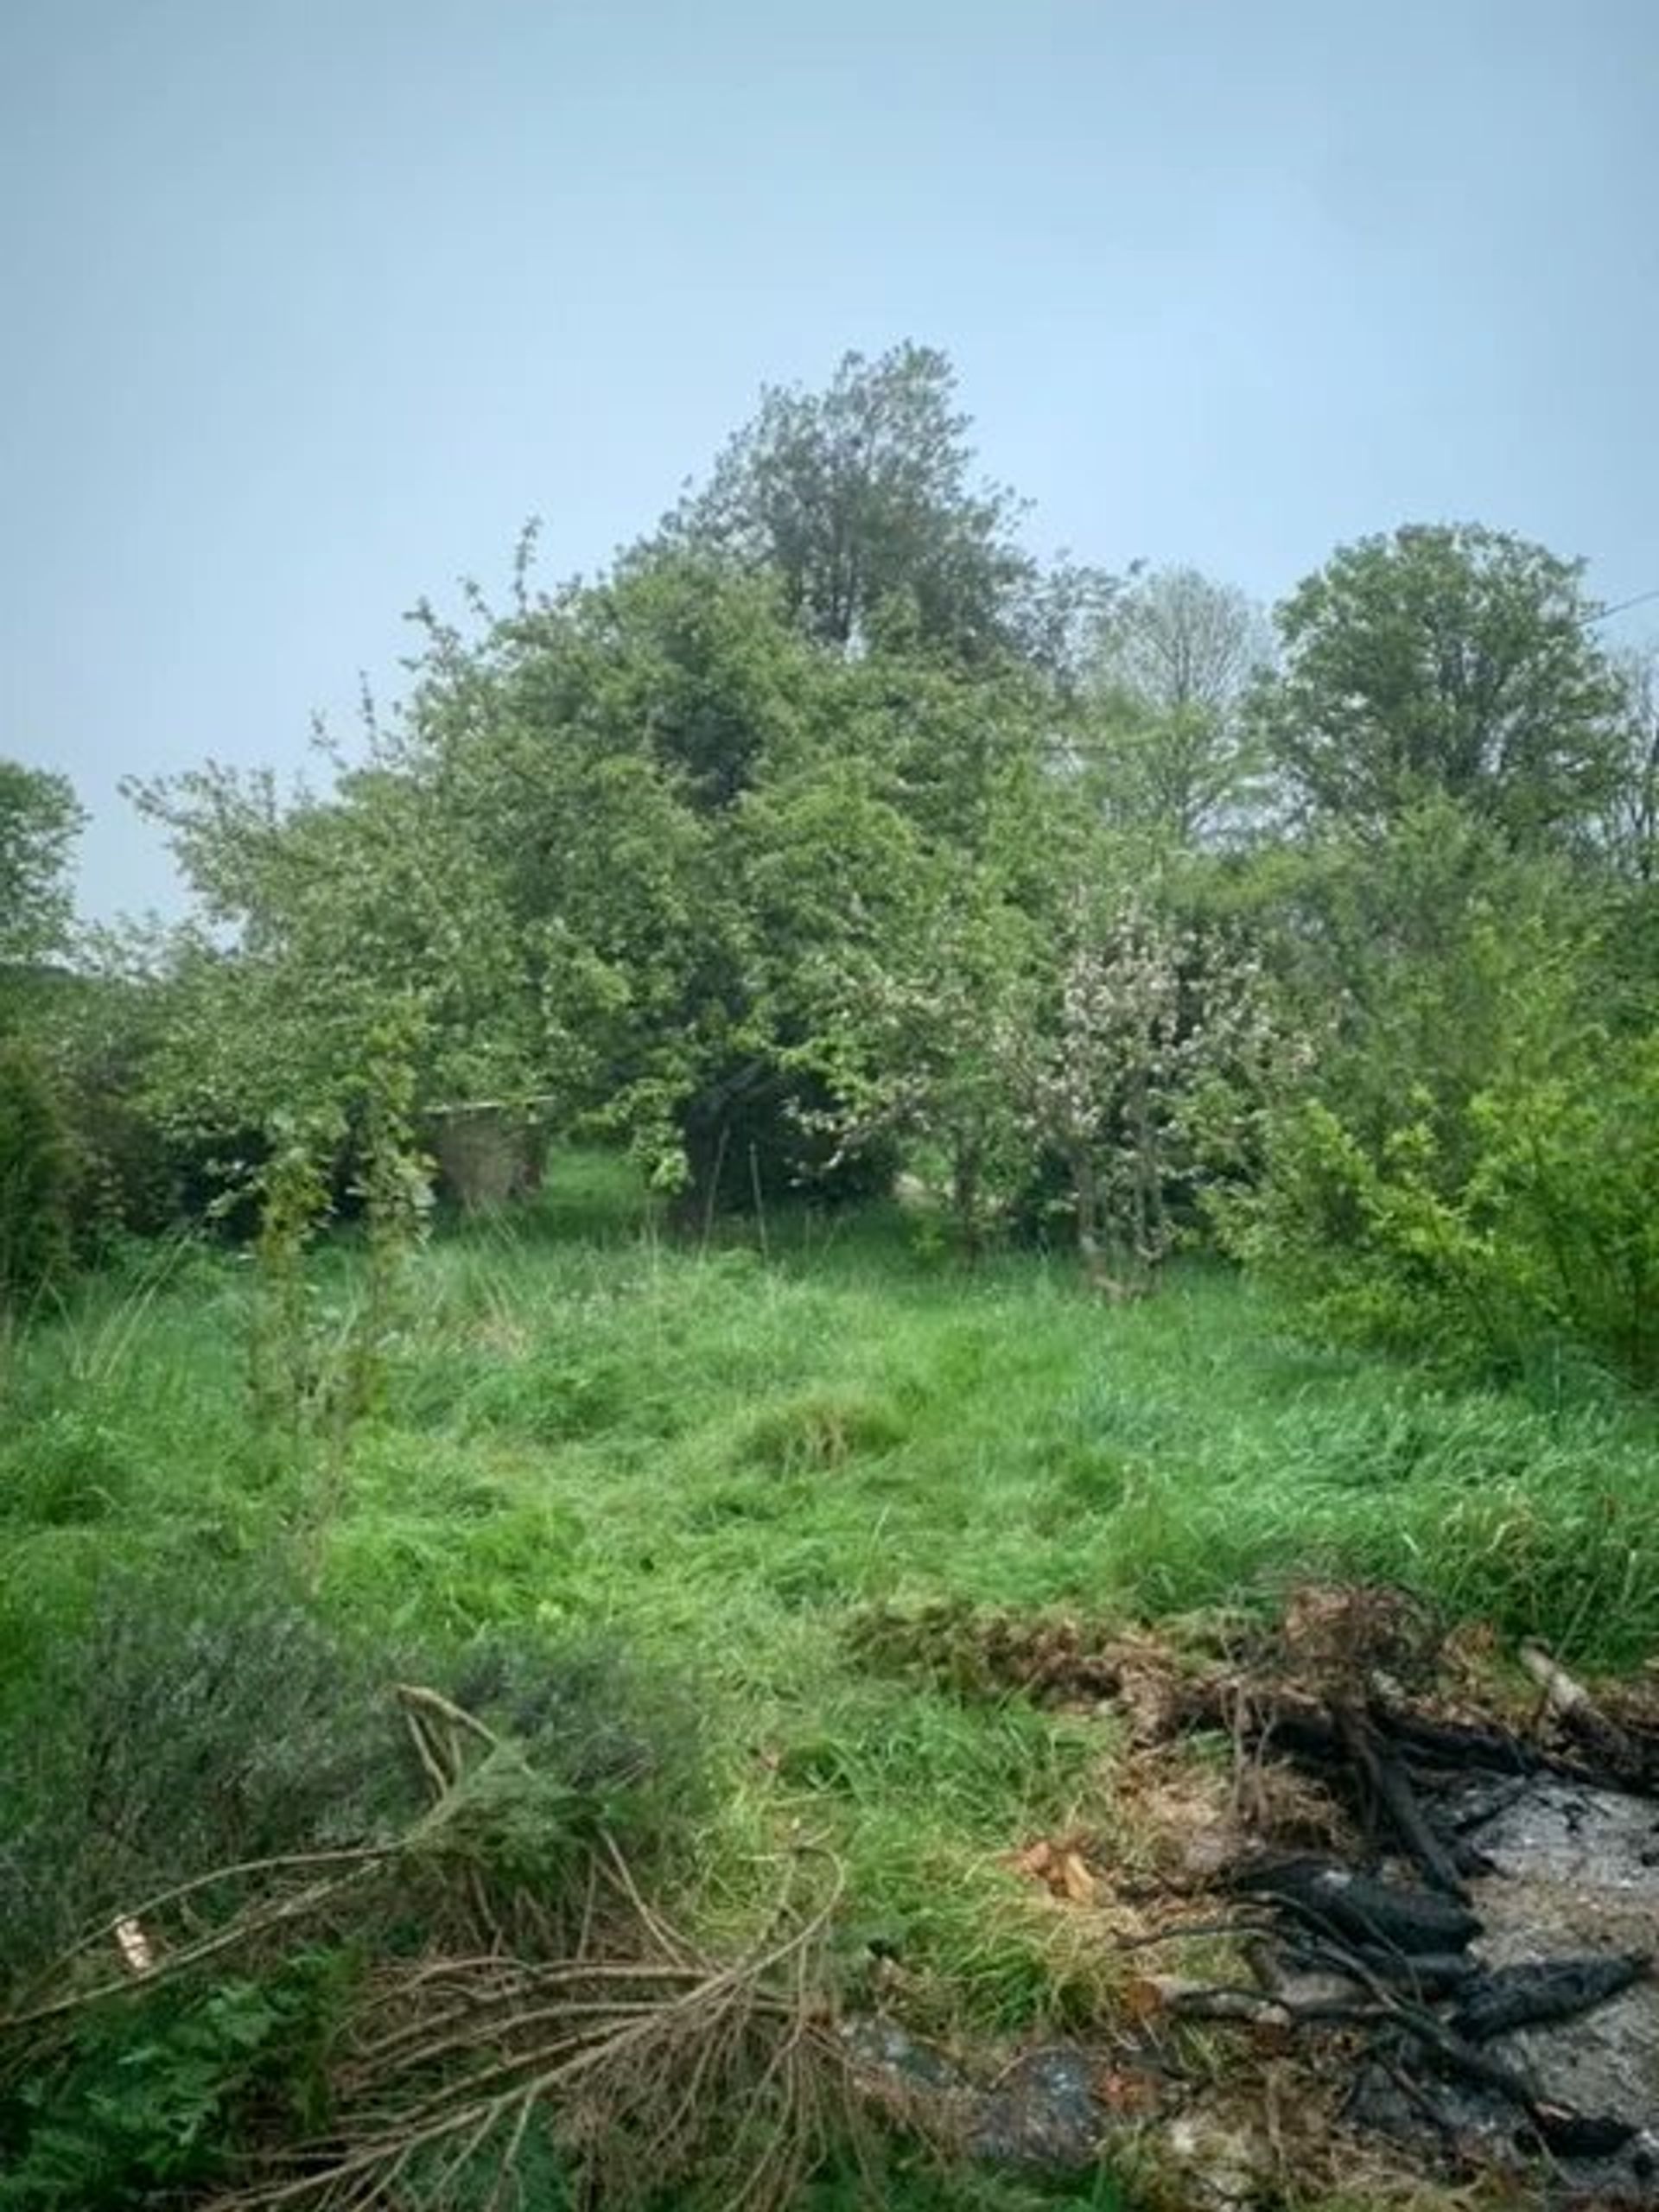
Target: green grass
717 1455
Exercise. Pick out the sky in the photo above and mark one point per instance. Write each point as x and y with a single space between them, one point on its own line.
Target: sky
311 304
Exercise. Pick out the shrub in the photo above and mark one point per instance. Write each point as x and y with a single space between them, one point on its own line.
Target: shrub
34 1179
185 1729
164 1760
1533 1222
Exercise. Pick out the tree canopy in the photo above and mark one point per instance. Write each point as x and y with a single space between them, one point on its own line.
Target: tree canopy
829 828
1449 660
40 821
861 501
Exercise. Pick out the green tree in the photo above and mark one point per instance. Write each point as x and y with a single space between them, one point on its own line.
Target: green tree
1444 659
924 1029
535 855
1630 823
40 821
1167 740
862 501
317 911
34 1178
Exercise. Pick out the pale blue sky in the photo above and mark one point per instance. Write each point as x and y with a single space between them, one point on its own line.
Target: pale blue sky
309 304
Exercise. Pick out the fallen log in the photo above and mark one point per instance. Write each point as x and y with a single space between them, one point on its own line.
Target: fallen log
1627 1760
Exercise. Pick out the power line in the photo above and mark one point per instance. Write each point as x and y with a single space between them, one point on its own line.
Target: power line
1619 607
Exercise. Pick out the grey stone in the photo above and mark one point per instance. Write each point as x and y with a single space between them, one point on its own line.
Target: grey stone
1042 2114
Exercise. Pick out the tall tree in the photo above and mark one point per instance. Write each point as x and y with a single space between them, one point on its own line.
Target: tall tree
1630 820
40 820
862 501
1180 641
1444 660
1176 656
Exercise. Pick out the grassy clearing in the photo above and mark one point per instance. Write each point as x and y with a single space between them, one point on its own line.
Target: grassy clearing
716 1454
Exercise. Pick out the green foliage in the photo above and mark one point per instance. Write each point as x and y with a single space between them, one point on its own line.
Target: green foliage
152 2101
1467 1173
1531 1227
40 820
315 1367
288 1366
651 1601
762 856
1448 660
394 1185
34 1179
861 500
826 833
1627 831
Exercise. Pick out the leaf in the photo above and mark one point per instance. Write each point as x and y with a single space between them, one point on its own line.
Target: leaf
1144 1997
1077 1882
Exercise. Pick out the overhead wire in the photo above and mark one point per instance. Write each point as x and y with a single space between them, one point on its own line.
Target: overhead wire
1619 607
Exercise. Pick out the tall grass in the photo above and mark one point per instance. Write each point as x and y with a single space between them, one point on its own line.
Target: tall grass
714 1454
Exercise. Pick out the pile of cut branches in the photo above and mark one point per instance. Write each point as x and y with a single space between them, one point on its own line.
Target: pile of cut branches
599 2044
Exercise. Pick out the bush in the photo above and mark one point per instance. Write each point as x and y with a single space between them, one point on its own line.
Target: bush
180 1735
34 1179
183 1730
1532 1226
1473 1171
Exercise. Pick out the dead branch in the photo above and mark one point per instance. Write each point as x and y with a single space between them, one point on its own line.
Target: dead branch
666 2048
1391 1791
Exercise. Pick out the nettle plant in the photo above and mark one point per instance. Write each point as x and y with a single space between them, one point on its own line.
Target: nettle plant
1150 1080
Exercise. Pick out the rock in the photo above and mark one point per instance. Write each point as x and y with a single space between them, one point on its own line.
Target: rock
1042 2115
883 2047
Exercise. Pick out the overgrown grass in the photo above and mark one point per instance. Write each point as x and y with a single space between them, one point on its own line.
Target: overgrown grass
714 1452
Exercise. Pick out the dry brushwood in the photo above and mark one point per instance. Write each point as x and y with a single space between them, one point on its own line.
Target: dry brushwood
635 2056
635 2070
